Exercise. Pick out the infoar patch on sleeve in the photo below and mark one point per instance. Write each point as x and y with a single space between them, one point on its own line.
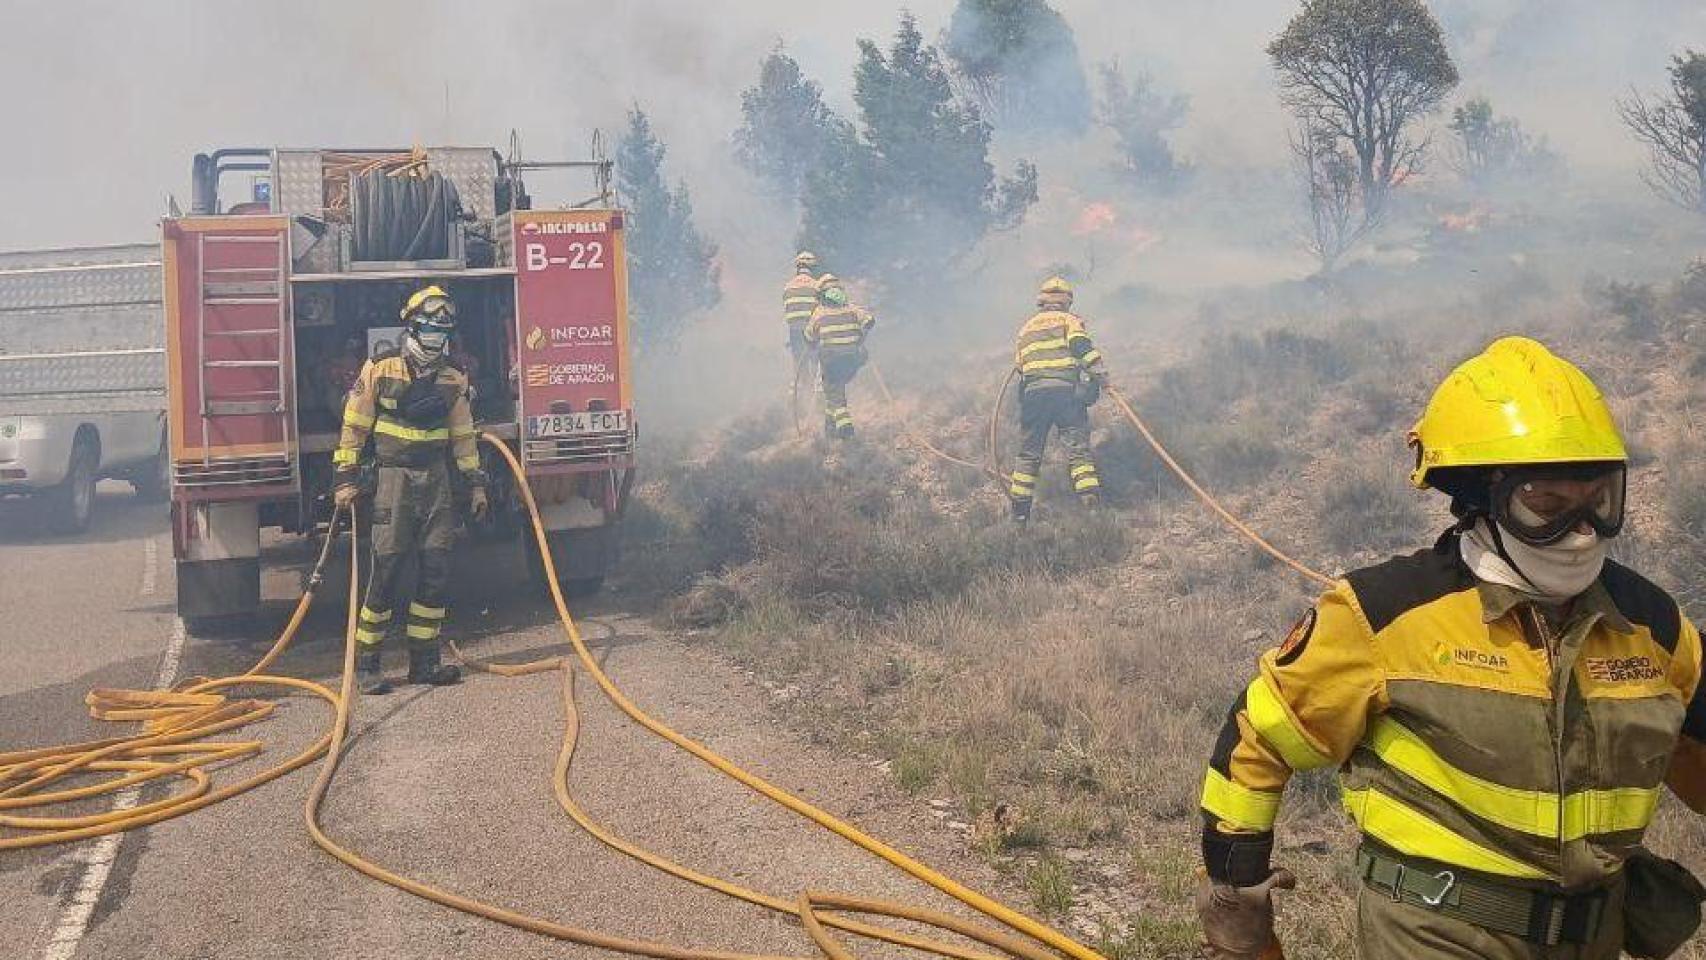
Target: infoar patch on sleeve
1292 647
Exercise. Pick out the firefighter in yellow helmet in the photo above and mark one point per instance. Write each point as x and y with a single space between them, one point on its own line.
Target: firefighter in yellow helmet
837 330
413 405
1060 376
799 299
1503 708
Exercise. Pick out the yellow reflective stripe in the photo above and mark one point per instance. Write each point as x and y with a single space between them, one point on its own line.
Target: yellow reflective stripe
389 403
346 456
1239 805
826 329
431 613
355 418
1273 723
1530 811
468 464
1091 356
392 428
419 632
1409 832
1023 477
1083 468
1085 483
367 637
1054 343
374 617
1060 364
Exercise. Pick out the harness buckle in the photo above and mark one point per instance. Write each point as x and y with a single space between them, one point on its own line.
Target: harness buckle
1450 880
1398 885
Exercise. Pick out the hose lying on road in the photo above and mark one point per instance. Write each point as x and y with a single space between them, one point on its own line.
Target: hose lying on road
176 721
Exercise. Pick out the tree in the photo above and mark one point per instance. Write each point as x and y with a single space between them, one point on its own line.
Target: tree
1018 60
1140 119
1364 71
1493 150
1673 129
784 124
1332 191
911 190
671 267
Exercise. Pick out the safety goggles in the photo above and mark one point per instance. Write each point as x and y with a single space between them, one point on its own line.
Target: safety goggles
1542 505
436 308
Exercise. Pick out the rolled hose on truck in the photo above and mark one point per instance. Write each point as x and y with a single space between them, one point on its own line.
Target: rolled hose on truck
176 721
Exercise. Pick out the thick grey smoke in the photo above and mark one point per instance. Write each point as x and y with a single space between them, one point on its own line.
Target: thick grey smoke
110 100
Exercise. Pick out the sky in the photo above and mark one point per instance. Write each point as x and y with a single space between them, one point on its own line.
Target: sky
111 99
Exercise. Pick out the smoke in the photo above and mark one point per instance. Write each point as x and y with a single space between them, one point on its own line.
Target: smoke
111 99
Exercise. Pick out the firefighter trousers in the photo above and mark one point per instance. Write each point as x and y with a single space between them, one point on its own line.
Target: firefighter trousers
1393 929
414 515
1045 406
839 367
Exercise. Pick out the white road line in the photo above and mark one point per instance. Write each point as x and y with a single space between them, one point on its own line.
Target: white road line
150 561
77 905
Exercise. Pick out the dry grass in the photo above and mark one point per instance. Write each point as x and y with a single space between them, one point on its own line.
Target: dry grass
1064 685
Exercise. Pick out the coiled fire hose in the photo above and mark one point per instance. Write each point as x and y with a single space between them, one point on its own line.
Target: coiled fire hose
176 721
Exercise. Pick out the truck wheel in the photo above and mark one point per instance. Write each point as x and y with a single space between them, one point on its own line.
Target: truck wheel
153 482
74 498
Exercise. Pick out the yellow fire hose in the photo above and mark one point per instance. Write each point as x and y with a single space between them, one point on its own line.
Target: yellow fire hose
176 721
883 386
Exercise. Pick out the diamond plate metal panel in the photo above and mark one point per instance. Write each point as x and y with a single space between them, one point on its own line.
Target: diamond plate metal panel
143 401
76 287
297 186
80 256
27 376
74 329
474 170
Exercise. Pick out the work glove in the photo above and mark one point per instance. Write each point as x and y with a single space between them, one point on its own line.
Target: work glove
1089 391
344 495
1238 922
478 505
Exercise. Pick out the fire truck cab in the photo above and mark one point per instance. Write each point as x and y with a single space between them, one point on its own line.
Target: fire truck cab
289 271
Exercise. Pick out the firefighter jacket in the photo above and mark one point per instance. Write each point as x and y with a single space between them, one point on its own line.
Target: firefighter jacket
838 330
1468 727
799 299
1054 346
377 407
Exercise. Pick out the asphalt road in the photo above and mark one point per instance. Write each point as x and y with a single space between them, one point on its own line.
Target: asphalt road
451 786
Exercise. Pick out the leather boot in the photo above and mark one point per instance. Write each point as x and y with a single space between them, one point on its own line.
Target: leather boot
1091 499
424 666
1021 510
368 674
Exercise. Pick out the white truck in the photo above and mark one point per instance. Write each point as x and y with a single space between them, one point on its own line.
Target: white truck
82 377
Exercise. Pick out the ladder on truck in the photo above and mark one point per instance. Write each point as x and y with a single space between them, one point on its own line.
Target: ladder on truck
243 369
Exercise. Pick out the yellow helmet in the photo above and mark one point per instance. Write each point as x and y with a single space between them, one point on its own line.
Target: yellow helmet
805 260
1055 291
1514 404
826 281
431 300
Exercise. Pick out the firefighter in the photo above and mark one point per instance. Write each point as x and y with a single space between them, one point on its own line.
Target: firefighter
799 299
1061 375
414 404
1503 708
837 330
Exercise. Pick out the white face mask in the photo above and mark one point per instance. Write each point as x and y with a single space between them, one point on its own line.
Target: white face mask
1558 572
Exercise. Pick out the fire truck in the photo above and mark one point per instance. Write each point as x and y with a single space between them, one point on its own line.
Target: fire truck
290 269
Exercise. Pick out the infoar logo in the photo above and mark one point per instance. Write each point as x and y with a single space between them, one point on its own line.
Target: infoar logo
535 338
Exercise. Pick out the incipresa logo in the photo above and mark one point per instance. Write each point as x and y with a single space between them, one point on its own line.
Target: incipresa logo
576 227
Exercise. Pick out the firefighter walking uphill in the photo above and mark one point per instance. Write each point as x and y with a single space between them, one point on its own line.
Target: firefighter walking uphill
799 300
1061 375
413 404
1503 708
837 330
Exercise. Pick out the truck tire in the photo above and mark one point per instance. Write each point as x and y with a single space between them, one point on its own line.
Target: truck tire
153 481
73 501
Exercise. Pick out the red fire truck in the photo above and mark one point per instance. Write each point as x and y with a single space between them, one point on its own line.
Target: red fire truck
289 271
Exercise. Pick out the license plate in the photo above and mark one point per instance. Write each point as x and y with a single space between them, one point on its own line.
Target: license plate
548 425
